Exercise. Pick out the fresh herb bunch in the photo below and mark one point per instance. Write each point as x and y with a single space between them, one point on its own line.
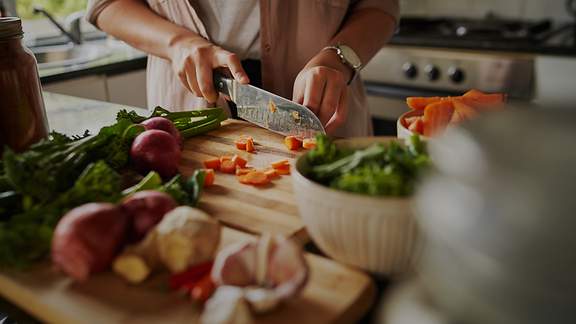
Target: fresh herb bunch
389 169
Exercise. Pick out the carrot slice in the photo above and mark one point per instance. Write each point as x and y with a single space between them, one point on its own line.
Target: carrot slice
271 173
293 143
212 164
242 141
250 146
283 170
437 116
243 171
257 178
279 164
228 166
309 143
419 103
239 161
209 177
417 126
225 158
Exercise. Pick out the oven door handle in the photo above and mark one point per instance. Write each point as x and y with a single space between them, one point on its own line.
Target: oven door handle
401 92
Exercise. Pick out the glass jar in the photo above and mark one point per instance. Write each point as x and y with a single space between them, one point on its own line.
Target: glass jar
22 113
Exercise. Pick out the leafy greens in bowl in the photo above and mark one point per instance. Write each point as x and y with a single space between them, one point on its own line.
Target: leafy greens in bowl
381 169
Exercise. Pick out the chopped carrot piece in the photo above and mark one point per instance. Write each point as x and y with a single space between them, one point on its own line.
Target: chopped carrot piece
225 158
309 143
250 146
228 166
212 164
417 126
241 145
243 171
410 120
283 169
242 141
437 116
257 178
239 161
419 103
279 164
271 173
209 177
293 143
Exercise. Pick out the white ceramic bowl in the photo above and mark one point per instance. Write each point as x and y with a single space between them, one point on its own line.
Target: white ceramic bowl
377 234
402 131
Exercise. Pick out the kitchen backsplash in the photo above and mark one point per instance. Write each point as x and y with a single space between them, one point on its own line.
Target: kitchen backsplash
525 9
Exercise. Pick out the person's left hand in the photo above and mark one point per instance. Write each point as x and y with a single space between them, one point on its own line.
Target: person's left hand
322 87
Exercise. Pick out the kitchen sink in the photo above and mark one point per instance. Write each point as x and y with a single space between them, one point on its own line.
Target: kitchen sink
70 54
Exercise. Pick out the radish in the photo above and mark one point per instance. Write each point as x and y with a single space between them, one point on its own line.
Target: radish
164 124
146 209
156 150
87 239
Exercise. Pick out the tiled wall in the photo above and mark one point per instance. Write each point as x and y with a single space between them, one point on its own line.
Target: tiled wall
532 9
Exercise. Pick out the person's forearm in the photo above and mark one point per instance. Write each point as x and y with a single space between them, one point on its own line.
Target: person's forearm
366 31
135 23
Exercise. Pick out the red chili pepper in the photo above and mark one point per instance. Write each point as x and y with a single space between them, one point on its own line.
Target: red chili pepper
190 277
203 289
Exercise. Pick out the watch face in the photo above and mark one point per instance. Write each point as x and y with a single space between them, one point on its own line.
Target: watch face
351 56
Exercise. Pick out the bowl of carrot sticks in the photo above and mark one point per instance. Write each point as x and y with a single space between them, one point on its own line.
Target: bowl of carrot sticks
430 116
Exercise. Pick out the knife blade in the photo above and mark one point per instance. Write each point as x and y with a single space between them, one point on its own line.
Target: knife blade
268 110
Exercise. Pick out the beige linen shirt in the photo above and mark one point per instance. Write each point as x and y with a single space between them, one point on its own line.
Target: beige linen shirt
291 33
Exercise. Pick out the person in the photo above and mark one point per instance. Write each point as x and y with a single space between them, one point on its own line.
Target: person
309 51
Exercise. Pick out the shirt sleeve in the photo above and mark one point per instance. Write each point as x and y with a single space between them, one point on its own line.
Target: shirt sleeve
94 9
391 7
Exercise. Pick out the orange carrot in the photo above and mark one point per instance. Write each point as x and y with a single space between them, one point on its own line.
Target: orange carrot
419 103
283 170
225 158
279 164
209 177
293 143
243 171
250 146
417 126
309 143
239 161
228 166
271 173
241 142
203 289
437 116
256 178
212 164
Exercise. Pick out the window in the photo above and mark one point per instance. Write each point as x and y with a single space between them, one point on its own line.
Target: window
58 8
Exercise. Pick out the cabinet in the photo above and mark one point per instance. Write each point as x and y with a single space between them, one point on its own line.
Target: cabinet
125 88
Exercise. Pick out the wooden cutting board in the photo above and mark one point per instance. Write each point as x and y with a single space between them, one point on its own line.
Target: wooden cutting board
335 293
255 210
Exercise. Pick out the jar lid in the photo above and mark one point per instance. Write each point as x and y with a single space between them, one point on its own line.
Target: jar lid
10 27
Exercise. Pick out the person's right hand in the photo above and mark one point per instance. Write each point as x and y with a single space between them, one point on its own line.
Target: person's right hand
194 59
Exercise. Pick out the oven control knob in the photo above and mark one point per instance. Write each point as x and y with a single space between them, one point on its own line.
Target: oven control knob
410 70
456 75
432 72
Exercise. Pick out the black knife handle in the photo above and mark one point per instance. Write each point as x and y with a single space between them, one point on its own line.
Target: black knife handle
222 83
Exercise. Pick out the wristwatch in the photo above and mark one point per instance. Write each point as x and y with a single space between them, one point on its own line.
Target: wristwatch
348 57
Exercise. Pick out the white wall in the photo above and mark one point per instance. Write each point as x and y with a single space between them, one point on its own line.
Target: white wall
531 9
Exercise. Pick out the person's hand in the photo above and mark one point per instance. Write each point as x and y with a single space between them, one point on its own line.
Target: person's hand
322 87
194 59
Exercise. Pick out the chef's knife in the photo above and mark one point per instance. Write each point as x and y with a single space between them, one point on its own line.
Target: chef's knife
268 110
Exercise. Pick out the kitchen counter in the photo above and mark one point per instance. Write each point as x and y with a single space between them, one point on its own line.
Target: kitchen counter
122 59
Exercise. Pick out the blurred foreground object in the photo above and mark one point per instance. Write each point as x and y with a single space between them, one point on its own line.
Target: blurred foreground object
498 219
